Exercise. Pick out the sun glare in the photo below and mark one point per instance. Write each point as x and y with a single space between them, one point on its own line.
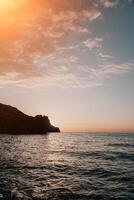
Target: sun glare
6 3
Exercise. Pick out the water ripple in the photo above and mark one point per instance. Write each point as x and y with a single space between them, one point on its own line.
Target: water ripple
67 167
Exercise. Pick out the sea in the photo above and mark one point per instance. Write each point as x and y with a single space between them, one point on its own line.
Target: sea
67 166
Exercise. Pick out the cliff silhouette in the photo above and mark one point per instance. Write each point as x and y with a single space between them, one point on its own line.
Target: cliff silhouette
13 121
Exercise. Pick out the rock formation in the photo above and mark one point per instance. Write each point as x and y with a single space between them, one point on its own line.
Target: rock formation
13 121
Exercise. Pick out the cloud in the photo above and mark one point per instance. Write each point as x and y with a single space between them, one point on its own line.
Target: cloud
90 43
73 76
93 43
104 56
40 28
107 70
109 3
37 36
66 59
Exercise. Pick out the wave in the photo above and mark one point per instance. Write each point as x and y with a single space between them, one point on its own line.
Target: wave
83 167
121 145
53 194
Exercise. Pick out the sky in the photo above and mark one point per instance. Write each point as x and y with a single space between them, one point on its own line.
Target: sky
71 60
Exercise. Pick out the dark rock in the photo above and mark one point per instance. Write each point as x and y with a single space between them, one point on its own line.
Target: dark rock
13 121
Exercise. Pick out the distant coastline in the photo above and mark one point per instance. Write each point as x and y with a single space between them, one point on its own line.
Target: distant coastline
13 121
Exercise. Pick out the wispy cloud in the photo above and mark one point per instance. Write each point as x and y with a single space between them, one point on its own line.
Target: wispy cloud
40 28
109 3
104 56
37 40
69 76
93 43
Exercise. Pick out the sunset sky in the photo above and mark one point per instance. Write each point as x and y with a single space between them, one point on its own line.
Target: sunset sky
72 60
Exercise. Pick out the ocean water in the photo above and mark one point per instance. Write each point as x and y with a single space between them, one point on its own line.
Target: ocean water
63 166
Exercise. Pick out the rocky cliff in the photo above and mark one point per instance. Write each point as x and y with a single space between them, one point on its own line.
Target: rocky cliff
13 121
